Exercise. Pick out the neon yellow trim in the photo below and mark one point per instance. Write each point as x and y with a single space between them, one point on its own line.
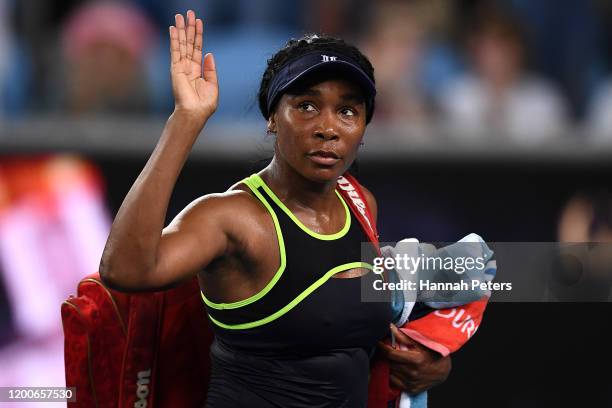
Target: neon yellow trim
277 275
295 301
326 237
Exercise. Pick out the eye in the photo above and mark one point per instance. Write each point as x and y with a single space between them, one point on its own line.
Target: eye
348 111
306 107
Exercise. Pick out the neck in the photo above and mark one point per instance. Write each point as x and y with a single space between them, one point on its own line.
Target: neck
296 190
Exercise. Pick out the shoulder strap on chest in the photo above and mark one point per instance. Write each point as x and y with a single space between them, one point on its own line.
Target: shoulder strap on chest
351 191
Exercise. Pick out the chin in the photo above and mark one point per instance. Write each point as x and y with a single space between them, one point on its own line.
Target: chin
323 174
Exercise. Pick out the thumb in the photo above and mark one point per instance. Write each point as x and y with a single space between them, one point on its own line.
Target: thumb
209 69
402 338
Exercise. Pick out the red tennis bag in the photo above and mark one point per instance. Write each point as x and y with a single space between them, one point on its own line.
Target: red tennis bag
136 350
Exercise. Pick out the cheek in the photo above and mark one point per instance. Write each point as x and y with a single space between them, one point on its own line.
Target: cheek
357 130
289 145
292 134
354 133
286 145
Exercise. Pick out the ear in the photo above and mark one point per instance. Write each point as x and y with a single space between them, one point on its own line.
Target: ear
272 123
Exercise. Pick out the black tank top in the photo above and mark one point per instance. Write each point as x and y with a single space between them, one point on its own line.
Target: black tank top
305 340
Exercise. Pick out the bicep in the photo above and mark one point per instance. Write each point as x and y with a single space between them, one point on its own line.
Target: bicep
194 238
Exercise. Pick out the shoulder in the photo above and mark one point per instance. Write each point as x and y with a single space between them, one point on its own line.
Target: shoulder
221 203
221 209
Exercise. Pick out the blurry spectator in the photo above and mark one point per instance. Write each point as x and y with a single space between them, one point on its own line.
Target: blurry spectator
567 39
395 45
4 52
105 45
500 98
232 14
34 61
586 269
14 67
587 218
343 18
599 118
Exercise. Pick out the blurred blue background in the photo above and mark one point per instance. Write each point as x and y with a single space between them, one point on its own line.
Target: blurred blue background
545 62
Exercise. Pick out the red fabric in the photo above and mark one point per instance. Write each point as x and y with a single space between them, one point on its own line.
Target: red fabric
446 330
137 382
379 391
112 339
183 351
78 314
107 338
352 191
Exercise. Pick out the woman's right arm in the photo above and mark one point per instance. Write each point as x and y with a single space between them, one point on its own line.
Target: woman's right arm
139 255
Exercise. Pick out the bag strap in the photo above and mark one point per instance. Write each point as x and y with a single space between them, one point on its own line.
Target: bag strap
350 189
379 392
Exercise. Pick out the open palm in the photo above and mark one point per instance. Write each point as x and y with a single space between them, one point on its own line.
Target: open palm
194 84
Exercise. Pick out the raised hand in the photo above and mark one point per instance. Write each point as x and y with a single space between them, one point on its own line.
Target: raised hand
194 84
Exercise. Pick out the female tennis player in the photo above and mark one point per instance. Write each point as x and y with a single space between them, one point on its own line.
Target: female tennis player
278 255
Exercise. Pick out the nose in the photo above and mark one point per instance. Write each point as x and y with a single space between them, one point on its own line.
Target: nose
327 128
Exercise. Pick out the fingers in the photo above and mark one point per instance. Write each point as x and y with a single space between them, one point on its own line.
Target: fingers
210 71
186 42
410 388
396 382
191 32
197 48
175 53
401 337
182 35
410 356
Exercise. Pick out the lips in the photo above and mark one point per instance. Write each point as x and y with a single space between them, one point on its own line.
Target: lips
325 153
324 157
